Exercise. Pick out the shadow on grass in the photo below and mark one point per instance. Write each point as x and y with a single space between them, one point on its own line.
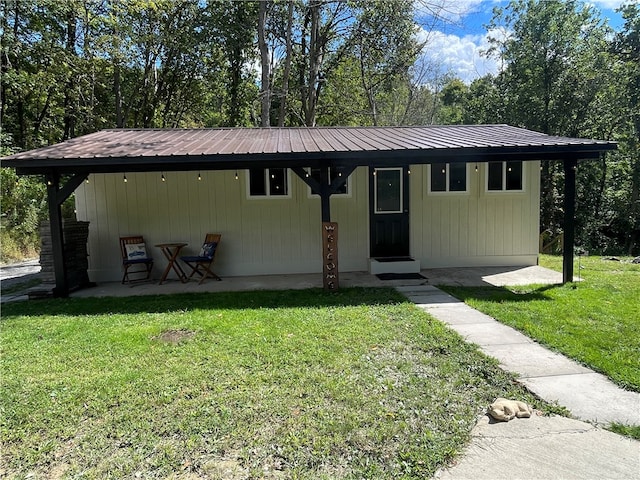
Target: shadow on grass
503 294
311 298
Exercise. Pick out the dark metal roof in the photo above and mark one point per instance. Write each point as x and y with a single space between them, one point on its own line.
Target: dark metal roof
228 148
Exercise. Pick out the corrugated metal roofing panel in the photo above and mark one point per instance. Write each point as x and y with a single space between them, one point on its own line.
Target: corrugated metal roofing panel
227 142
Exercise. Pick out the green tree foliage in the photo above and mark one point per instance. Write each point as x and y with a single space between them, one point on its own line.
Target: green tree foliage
624 212
71 67
563 75
23 206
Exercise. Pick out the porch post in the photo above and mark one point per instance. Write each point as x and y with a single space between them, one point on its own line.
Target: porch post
325 195
56 195
57 238
568 227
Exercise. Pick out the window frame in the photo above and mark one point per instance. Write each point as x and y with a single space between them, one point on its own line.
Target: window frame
467 187
310 193
401 191
503 189
268 194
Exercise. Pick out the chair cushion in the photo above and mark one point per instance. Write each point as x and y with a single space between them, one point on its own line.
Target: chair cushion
138 260
207 250
195 258
136 251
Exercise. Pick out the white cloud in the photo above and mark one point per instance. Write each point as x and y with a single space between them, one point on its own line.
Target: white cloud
462 56
609 4
447 11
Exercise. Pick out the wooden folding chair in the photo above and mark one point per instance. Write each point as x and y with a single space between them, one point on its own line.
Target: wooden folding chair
202 263
134 253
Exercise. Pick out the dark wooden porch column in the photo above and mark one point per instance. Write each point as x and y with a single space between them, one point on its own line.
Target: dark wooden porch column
569 218
56 195
57 240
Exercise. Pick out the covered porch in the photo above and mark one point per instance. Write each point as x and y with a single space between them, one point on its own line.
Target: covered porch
300 150
471 276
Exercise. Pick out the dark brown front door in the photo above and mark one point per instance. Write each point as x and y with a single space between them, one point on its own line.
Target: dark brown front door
389 212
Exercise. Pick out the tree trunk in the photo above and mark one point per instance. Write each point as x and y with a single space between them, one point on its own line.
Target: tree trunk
315 60
69 100
287 68
265 87
117 93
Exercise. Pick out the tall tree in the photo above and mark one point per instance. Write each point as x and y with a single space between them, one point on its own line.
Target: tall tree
265 79
626 47
548 81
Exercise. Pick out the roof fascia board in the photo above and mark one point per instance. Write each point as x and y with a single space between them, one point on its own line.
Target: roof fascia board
309 159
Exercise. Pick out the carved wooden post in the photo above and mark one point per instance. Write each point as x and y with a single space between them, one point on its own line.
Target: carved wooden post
330 279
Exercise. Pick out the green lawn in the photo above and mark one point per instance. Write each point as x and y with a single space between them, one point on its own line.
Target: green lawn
297 384
595 321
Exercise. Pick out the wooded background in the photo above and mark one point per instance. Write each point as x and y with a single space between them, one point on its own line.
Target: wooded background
71 67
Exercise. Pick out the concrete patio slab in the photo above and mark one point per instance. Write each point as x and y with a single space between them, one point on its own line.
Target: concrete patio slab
545 448
496 276
474 276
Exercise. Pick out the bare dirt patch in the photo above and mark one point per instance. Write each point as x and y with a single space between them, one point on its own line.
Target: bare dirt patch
175 336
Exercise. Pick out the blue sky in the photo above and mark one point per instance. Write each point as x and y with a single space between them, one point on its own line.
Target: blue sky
456 44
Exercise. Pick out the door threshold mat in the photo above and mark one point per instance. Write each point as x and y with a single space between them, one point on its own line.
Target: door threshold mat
400 276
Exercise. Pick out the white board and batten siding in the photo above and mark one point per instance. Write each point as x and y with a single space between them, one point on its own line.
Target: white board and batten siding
283 235
259 236
476 228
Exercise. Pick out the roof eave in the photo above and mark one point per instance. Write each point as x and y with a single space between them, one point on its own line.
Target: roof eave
35 166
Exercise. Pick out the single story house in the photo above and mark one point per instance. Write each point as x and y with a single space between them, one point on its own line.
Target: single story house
402 197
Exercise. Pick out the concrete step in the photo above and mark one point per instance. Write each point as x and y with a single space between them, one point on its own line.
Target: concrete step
393 265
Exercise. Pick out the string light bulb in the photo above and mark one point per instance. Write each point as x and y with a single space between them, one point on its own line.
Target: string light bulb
199 176
124 178
162 177
236 175
86 180
476 168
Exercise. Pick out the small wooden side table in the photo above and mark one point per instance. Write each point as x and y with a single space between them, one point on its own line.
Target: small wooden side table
171 252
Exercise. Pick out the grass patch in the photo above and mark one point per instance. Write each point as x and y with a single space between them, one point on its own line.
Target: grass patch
298 384
595 321
626 430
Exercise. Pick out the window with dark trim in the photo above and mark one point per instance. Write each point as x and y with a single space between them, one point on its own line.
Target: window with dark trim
333 174
448 177
505 176
268 182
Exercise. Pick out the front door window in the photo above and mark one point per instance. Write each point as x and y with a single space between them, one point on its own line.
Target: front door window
388 190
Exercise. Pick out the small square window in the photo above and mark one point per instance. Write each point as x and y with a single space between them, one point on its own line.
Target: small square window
505 176
448 177
268 182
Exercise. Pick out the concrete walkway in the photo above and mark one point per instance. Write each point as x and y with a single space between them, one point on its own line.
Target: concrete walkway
539 447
